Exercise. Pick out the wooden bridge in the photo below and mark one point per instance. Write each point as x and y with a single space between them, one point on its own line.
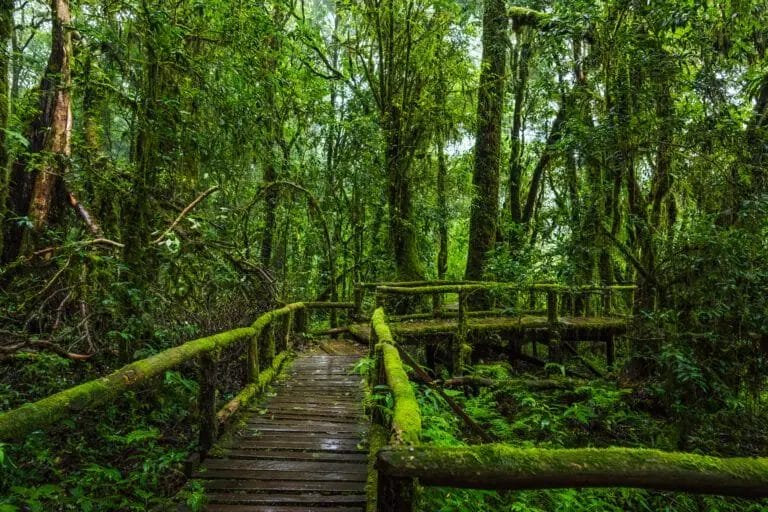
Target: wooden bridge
311 444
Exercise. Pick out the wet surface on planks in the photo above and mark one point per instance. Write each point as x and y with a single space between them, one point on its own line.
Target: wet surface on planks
302 448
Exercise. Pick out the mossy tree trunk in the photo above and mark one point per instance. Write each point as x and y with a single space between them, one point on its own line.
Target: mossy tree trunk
485 178
39 193
6 32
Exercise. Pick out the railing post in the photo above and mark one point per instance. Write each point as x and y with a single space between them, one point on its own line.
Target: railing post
555 351
359 295
437 305
207 402
252 370
395 494
610 352
607 301
552 306
286 332
460 338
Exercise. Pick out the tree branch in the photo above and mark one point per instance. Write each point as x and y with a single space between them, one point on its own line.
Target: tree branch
184 212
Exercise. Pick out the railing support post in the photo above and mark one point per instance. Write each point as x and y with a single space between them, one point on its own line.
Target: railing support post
552 307
610 352
437 305
253 359
207 402
359 296
286 332
395 494
460 338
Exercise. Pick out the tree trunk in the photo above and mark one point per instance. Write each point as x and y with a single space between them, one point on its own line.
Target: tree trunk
442 206
6 33
490 102
34 194
58 140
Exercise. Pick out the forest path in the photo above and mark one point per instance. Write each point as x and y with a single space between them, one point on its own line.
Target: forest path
302 448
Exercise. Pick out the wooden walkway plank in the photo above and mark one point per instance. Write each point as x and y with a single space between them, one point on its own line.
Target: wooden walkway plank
301 449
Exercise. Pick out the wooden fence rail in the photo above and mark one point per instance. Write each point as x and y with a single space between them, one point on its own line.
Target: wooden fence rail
261 366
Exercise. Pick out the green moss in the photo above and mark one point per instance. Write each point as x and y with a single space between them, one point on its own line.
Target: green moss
497 466
406 418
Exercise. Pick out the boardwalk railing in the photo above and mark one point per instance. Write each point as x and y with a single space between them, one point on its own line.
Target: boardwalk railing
267 339
504 467
552 300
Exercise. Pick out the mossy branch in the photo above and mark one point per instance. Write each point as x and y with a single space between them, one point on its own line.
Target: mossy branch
499 466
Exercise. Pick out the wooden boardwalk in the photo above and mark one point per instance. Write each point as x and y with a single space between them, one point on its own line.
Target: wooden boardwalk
302 449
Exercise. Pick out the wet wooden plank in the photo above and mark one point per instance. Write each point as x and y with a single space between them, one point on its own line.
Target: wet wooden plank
286 499
300 449
278 486
276 508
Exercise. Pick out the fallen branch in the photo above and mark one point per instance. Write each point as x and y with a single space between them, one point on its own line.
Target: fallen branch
586 363
184 213
82 243
532 384
485 436
48 346
94 228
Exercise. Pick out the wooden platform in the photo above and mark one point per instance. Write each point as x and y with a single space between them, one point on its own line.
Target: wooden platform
302 449
532 327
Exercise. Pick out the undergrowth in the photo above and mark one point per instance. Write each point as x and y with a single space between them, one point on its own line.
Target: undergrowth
595 414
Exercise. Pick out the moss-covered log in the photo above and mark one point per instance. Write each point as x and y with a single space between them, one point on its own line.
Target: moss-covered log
498 466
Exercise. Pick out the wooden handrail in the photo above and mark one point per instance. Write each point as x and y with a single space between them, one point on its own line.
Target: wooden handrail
406 417
501 466
32 416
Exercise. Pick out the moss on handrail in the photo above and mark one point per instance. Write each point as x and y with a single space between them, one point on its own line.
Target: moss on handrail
500 466
248 392
36 415
406 417
400 289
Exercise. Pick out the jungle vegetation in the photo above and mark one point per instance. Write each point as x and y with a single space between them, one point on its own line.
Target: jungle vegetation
169 170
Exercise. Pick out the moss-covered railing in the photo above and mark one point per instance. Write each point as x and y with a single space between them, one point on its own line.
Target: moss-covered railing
548 299
404 430
401 461
555 312
268 344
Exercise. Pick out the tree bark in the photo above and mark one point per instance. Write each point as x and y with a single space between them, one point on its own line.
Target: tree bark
58 139
490 102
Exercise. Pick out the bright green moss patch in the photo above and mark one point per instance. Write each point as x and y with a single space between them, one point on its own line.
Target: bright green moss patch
406 419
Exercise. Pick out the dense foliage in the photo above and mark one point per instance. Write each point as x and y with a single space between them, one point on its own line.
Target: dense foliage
169 169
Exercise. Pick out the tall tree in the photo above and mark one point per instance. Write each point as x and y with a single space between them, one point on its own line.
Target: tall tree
490 101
